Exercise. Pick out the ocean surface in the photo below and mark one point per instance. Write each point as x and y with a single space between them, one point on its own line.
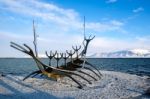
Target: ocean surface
138 66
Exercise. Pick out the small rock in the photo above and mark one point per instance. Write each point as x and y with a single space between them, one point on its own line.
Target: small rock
147 92
116 78
2 75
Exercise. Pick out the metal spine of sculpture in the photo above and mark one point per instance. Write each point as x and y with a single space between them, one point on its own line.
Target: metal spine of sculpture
75 66
35 40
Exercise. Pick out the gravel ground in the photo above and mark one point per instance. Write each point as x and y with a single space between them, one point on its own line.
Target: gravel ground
112 85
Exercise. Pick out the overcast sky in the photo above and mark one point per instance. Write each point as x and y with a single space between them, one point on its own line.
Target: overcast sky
117 24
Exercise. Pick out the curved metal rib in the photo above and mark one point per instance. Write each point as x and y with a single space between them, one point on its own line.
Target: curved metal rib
76 49
87 40
92 71
75 67
87 75
79 85
65 57
58 58
81 62
93 67
70 54
35 72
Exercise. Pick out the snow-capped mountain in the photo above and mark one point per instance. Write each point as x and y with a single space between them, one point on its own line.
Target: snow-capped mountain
123 54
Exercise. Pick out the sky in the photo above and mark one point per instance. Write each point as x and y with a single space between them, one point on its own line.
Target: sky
116 25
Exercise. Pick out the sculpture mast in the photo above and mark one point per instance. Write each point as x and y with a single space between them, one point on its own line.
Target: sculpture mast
84 27
84 54
35 40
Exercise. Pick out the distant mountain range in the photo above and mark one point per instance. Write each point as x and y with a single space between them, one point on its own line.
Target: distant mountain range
134 53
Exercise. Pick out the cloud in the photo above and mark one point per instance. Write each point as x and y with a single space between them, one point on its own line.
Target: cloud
48 12
139 9
63 28
12 36
65 19
98 45
108 44
143 39
111 1
112 25
44 44
117 23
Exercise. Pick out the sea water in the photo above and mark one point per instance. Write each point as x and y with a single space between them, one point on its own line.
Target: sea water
138 66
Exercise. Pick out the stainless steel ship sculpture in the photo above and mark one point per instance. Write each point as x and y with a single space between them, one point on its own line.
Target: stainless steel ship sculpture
73 67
